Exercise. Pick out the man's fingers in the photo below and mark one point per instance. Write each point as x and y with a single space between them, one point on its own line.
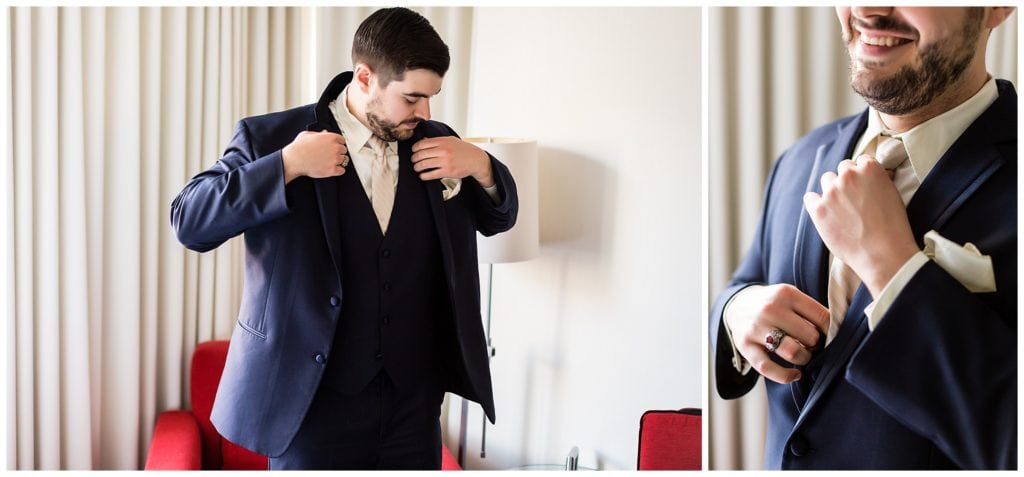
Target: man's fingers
785 310
426 164
810 310
791 350
811 201
432 175
425 154
827 181
763 364
844 165
425 144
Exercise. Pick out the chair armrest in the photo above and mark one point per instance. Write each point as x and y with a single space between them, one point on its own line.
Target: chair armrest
175 444
448 461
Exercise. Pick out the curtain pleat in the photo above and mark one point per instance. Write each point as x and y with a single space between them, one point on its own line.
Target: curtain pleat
111 111
774 74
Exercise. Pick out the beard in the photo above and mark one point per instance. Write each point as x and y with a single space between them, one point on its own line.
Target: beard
383 128
941 65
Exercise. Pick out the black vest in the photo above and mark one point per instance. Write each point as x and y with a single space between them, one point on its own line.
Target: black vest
395 303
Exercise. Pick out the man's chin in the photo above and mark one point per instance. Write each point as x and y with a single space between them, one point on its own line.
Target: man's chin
403 134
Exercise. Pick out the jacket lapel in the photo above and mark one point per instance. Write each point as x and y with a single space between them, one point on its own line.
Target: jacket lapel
965 166
327 189
810 257
434 190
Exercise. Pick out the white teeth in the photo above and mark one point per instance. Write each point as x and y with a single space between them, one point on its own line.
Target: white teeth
888 41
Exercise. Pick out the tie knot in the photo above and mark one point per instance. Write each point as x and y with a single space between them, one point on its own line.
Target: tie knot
890 152
379 146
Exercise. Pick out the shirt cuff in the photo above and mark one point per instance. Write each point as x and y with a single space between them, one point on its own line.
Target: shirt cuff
876 309
492 192
738 361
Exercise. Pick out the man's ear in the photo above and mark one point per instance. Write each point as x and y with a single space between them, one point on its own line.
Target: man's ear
362 76
997 15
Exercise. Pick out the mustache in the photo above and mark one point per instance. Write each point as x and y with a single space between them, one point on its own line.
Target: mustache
885 24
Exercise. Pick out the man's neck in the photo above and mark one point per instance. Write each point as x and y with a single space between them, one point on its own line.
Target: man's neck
355 101
955 95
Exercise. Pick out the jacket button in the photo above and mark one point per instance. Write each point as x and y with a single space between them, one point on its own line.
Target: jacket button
387 286
386 253
379 356
319 358
386 319
335 301
798 446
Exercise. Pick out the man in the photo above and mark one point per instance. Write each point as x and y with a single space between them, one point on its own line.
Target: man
361 300
879 296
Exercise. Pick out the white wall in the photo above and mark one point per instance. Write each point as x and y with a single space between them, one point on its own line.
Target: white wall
605 323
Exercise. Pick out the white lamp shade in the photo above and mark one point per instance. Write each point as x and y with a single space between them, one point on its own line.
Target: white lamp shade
523 240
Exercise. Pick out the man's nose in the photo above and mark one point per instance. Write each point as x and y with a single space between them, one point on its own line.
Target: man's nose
865 12
423 109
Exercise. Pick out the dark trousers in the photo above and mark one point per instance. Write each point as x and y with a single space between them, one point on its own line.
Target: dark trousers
380 427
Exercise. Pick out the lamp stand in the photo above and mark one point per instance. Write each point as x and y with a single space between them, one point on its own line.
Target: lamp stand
465 404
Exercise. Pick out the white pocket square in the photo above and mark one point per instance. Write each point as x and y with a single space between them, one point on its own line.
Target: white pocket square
964 262
451 188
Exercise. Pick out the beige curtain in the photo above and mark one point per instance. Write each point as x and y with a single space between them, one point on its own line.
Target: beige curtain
774 75
112 111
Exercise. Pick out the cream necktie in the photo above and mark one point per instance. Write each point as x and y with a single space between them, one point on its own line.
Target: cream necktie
382 183
843 282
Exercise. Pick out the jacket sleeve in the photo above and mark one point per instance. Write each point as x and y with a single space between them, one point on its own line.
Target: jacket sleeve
729 382
238 192
943 362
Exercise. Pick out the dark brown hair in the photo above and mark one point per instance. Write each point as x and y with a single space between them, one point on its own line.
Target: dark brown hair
392 41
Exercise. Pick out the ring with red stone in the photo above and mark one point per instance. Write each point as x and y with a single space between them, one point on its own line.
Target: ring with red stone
773 339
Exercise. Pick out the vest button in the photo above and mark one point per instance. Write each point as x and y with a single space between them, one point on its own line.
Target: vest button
386 253
798 446
387 286
386 319
320 359
335 301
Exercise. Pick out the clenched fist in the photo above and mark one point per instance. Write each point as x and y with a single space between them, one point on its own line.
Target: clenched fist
862 220
315 154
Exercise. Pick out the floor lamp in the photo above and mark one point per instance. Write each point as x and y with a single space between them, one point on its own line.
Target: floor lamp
519 244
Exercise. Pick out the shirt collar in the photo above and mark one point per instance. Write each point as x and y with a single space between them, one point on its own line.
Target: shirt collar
928 141
356 134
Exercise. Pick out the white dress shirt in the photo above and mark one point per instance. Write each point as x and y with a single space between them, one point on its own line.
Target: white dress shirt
925 144
357 139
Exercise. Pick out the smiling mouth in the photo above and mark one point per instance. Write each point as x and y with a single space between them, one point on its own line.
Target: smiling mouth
887 41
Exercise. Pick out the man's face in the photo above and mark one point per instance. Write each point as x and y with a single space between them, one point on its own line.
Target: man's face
901 58
395 110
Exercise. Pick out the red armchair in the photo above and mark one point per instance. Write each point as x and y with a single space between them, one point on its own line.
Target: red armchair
187 440
670 440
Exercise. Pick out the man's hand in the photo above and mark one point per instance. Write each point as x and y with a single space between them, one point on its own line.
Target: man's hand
453 158
862 220
315 154
756 310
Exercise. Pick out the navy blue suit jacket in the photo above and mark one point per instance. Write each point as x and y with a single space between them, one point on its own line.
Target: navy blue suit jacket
934 385
293 285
